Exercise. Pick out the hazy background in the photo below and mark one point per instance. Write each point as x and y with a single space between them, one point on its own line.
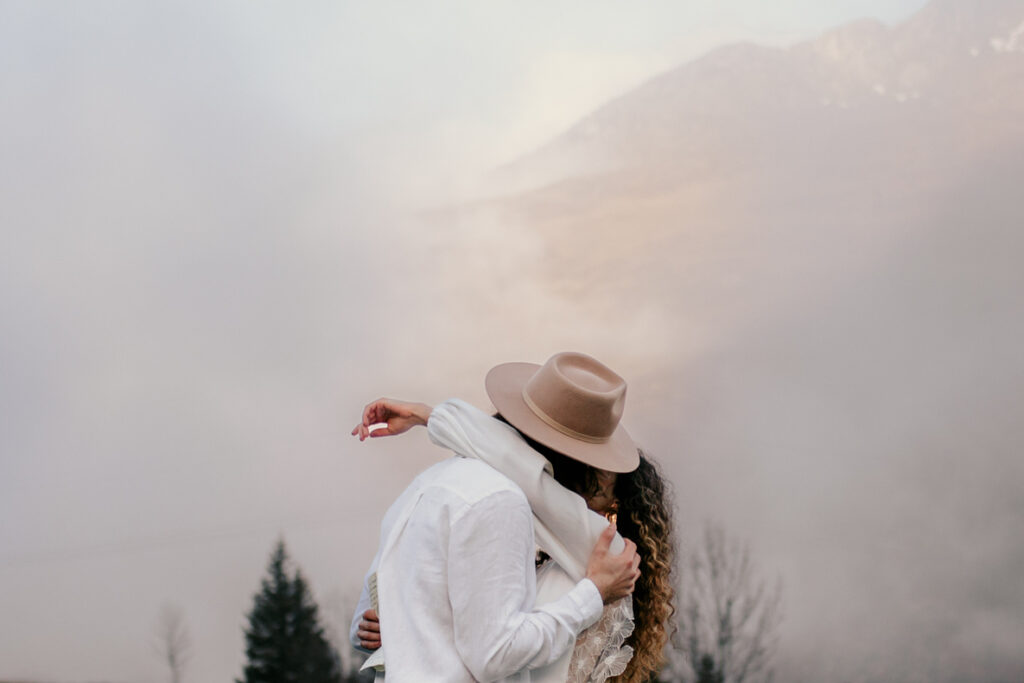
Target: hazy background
226 227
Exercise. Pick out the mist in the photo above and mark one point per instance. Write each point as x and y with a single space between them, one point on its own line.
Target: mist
227 228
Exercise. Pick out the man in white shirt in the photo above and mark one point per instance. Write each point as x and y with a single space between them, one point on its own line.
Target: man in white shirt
455 576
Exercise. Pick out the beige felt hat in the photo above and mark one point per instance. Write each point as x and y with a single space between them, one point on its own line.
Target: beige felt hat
572 404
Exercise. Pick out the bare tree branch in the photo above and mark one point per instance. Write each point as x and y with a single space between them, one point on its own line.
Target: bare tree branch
173 643
728 619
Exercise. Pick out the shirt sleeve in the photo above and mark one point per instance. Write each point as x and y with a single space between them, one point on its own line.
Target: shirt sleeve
566 528
490 585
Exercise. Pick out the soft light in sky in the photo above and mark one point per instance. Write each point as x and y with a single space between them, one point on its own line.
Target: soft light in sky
471 86
215 253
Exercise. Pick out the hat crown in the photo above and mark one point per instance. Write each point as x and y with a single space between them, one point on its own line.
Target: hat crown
577 395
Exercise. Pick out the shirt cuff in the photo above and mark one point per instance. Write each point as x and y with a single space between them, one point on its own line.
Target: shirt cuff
588 600
438 420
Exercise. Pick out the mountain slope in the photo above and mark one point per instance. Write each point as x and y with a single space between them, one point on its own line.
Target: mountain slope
960 55
816 253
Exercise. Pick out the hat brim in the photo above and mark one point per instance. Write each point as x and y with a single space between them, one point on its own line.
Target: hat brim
504 384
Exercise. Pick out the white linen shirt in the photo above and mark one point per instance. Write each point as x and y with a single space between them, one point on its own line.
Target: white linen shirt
456 582
563 525
565 528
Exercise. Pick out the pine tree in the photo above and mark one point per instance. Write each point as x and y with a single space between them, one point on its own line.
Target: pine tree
284 642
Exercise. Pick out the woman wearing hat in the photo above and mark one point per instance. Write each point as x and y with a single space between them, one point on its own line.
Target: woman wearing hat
557 435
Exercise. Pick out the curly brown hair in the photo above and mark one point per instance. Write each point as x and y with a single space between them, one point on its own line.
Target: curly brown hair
645 517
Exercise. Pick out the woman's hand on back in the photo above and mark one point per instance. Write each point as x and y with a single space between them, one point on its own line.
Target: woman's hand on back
369 630
391 417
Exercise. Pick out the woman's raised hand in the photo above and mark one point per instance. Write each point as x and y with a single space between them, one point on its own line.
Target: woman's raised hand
614 575
390 417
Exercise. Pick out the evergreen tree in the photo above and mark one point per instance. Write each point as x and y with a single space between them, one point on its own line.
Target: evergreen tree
284 642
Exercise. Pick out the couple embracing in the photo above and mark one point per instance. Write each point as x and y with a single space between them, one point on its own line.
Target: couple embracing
507 563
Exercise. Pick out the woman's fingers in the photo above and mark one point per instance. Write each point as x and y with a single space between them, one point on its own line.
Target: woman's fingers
387 417
374 430
368 639
375 412
369 630
370 413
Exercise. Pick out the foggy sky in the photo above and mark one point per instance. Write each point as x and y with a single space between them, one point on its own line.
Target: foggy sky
213 257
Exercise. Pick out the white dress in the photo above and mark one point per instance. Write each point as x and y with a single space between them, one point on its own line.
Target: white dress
564 527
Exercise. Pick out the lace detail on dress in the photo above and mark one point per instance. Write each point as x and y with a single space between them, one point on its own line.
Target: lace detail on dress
601 651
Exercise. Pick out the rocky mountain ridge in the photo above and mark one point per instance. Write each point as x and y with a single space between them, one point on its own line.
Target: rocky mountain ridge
952 59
